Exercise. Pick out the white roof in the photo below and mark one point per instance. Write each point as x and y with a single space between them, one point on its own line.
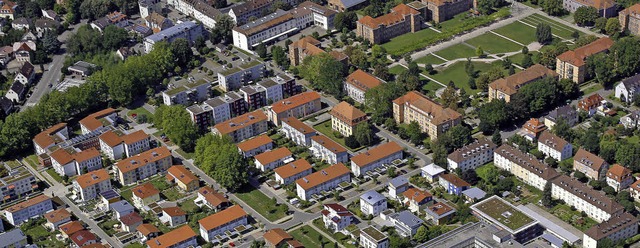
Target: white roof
432 169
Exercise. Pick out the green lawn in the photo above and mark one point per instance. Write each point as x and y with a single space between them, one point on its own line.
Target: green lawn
37 232
518 31
517 58
343 239
587 91
574 218
483 170
457 51
308 236
127 195
397 69
431 87
32 160
459 77
557 28
395 45
55 175
260 203
172 194
141 111
186 155
325 128
107 226
189 206
492 43
430 59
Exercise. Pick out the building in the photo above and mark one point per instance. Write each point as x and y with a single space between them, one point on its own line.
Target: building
234 78
406 223
474 194
572 64
277 237
590 104
453 184
631 120
619 177
398 185
273 27
336 217
629 19
26 74
115 18
532 129
143 165
89 185
243 127
201 116
173 216
440 11
17 183
554 146
440 213
505 88
372 203
324 180
590 165
189 30
298 106
273 91
182 237
297 131
472 156
70 228
416 199
254 146
328 150
254 8
254 95
431 172
221 222
519 226
56 218
375 157
401 20
309 13
92 122
606 8
16 92
628 89
201 10
117 147
345 117
309 46
358 83
617 228
43 25
121 208
524 166
346 5
594 203
130 222
293 171
14 238
145 194
147 232
566 112
188 93
431 116
183 178
269 160
8 9
69 162
50 137
212 199
371 237
23 211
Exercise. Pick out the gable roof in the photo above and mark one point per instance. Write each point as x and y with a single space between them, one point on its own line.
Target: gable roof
82 237
589 159
578 56
254 143
611 226
134 137
590 102
57 215
415 194
455 180
293 168
440 114
71 227
92 178
526 161
377 153
213 197
110 138
273 155
131 219
44 139
510 85
28 203
91 122
145 190
294 101
586 193
223 217
329 144
467 152
363 80
347 113
143 159
174 211
322 176
179 172
27 70
146 229
618 172
169 239
276 236
397 14
552 140
298 125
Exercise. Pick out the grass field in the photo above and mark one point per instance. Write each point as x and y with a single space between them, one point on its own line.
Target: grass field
308 236
430 59
55 175
32 160
557 28
574 218
504 213
519 32
517 58
325 128
261 203
492 43
396 69
396 43
457 51
482 171
591 89
459 77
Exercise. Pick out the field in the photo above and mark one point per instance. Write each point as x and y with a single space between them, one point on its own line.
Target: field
261 203
492 43
457 51
519 32
459 77
308 236
574 218
430 59
54 175
504 213
557 28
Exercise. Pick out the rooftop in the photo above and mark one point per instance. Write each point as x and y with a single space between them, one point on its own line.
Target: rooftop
172 31
213 197
440 209
142 159
329 144
363 80
223 217
347 113
372 197
172 238
92 178
180 173
28 203
376 154
294 101
426 105
504 214
319 177
57 215
526 161
274 19
511 84
373 233
92 121
471 150
455 180
578 56
415 194
293 168
552 140
611 226
589 159
586 193
276 236
254 143
298 125
240 122
145 190
273 155
397 14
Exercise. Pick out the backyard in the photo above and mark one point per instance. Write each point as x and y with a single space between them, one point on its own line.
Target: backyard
566 214
325 128
343 239
309 237
261 203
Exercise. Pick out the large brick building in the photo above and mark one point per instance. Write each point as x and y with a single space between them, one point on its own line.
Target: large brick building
442 10
402 19
606 8
431 116
505 88
630 19
573 64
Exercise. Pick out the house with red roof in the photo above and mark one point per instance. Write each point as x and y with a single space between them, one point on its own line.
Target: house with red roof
336 217
89 185
221 222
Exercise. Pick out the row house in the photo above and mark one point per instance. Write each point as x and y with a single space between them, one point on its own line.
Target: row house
472 156
269 160
590 165
243 127
324 180
89 185
183 178
577 194
298 106
375 157
69 162
606 8
401 20
453 184
117 147
254 146
372 203
524 166
554 146
628 89
619 177
182 237
371 237
143 165
200 10
328 150
23 211
590 104
505 88
144 195
309 46
188 30
212 199
293 171
234 78
431 116
345 117
50 137
566 113
615 229
336 217
102 118
221 222
188 93
358 83
297 131
17 183
572 64
416 199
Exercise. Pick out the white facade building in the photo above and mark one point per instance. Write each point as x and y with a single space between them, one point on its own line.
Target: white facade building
326 179
375 157
554 146
297 131
372 203
328 150
472 156
577 194
25 210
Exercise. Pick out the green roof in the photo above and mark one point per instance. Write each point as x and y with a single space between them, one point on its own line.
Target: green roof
22 174
251 63
175 90
12 164
374 233
504 213
230 71
196 83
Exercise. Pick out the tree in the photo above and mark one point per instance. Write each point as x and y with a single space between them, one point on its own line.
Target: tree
496 138
563 130
218 157
627 155
547 201
551 161
585 16
439 154
382 71
493 115
280 56
50 42
222 31
543 32
450 98
487 6
113 37
351 142
314 69
472 83
600 24
177 125
590 141
182 52
346 19
486 78
261 50
415 133
527 61
470 176
378 100
580 176
600 67
479 52
422 235
459 136
470 69
612 27
622 53
363 133
429 69
553 7
525 50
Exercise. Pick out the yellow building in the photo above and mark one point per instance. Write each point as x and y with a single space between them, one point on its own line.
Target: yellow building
431 116
144 195
504 88
183 178
573 64
345 117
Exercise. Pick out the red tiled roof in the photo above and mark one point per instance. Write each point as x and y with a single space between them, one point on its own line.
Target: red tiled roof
416 194
43 139
240 122
213 197
27 203
376 153
110 138
145 190
220 218
131 219
71 227
91 122
179 172
329 144
578 56
142 159
294 101
618 172
362 80
293 168
397 14
273 155
134 137
172 238
57 215
347 113
276 236
82 237
440 114
147 229
322 176
254 143
92 178
298 125
511 84
174 211
592 101
455 180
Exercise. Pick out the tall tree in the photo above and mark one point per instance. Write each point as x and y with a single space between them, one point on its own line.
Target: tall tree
50 42
625 53
547 201
346 19
280 56
612 27
493 115
496 138
543 32
363 133
177 125
261 50
182 52
315 68
378 100
218 157
585 15
553 7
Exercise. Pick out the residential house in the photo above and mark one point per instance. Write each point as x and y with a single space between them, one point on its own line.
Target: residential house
188 93
75 163
183 178
50 14
297 131
173 216
243 127
17 183
83 238
56 218
345 118
92 122
372 203
157 22
293 171
358 83
143 165
16 92
615 229
8 9
124 52
189 30
577 194
628 89
50 137
554 146
200 10
90 184
22 50
181 237
274 26
269 160
13 238
416 199
336 217
532 129
524 166
566 112
406 223
221 222
375 157
147 232
43 25
26 74
472 156
328 150
505 88
233 78
453 184
254 146
371 237
474 194
634 189
6 106
431 172
66 230
121 208
298 106
606 8
590 164
324 180
401 20
145 194
398 185
619 177
116 147
590 104
131 222
116 18
440 213
81 69
572 64
23 211
431 116
309 46
631 120
276 237
21 23
212 199
346 5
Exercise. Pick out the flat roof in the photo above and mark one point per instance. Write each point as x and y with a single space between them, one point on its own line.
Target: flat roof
503 214
552 227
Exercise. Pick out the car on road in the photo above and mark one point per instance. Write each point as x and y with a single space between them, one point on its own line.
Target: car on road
403 172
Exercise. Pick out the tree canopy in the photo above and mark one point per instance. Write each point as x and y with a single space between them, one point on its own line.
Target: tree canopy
218 157
177 125
585 15
315 68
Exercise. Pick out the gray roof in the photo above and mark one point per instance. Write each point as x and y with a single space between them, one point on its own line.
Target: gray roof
629 82
408 218
561 112
172 31
433 169
398 181
121 206
18 88
214 102
82 66
267 83
21 21
372 197
12 237
475 193
350 3
6 104
261 21
550 225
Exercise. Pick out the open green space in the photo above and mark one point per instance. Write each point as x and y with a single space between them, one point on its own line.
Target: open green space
457 51
504 213
634 139
396 69
308 236
484 170
492 43
107 226
189 206
32 160
430 59
557 28
343 239
260 203
55 175
519 32
325 128
457 74
518 57
593 88
572 217
139 111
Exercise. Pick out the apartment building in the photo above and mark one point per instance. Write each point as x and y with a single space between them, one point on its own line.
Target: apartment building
532 129
188 93
309 46
617 228
375 157
221 222
634 189
33 207
606 8
201 116
143 165
254 8
16 183
182 237
572 64
453 184
406 223
444 10
433 118
370 237
505 88
416 199
524 166
577 194
92 122
328 150
254 146
14 238
298 106
358 83
472 156
273 91
293 171
50 137
188 30
401 20
554 146
513 223
309 13
243 127
297 131
372 203
619 177
566 113
336 217
88 186
254 95
590 165
116 147
629 19
233 78
269 160
324 180
115 18
265 29
184 179
218 109
345 117
200 10
628 89
345 5
591 103
144 195
70 162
